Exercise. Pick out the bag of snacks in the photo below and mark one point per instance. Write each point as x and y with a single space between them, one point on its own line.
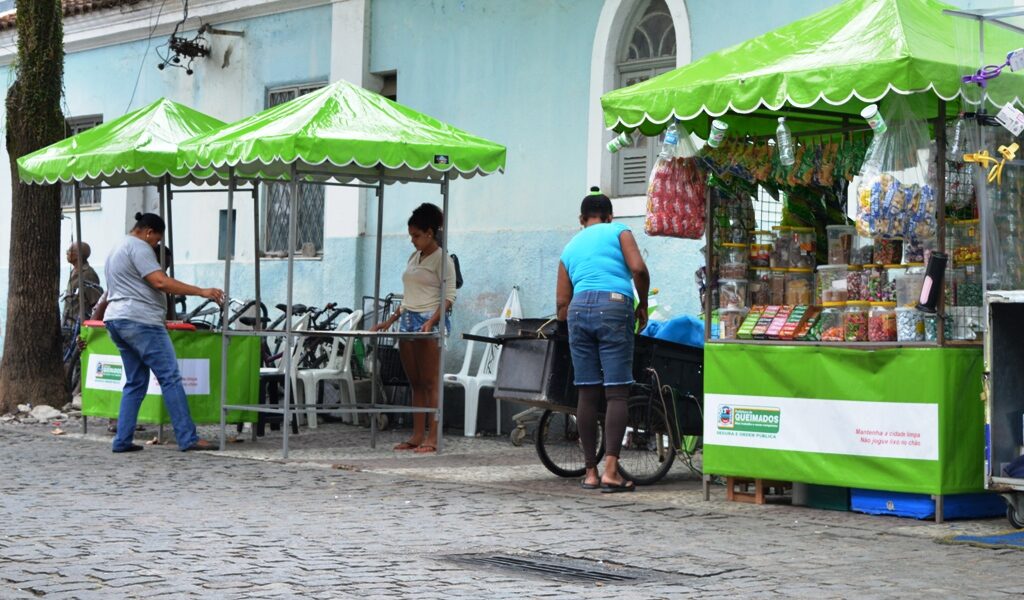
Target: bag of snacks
676 193
896 197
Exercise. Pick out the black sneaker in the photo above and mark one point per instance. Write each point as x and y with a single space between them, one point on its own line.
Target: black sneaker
132 448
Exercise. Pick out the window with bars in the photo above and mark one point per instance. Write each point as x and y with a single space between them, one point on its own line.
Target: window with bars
310 228
90 197
648 50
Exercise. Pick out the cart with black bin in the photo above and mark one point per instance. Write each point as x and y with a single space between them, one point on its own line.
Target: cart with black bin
665 405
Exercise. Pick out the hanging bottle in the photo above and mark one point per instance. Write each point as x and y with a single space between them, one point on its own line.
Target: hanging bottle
784 142
671 141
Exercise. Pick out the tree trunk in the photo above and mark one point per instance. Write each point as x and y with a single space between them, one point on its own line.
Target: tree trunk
31 369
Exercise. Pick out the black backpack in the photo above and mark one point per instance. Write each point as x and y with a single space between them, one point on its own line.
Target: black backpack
458 272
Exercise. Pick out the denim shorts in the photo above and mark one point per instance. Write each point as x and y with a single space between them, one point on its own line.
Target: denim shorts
601 338
414 321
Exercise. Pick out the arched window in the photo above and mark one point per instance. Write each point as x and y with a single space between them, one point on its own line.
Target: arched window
648 48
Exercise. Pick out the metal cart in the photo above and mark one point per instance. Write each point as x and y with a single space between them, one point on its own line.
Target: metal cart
665 405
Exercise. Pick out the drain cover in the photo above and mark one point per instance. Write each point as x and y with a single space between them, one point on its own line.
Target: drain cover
563 569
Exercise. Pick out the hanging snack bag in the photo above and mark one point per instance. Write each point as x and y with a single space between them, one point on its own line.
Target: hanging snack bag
896 198
676 193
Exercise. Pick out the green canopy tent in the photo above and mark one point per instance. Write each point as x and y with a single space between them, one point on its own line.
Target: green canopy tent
136 150
340 135
818 71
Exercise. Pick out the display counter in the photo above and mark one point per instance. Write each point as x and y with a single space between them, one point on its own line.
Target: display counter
198 355
904 419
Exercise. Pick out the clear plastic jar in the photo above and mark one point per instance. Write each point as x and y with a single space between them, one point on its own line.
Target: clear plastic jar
831 322
888 252
782 247
732 293
966 242
876 284
734 261
777 287
758 289
855 283
830 284
729 321
882 322
908 286
760 248
805 241
840 244
909 324
855 321
863 252
892 273
799 285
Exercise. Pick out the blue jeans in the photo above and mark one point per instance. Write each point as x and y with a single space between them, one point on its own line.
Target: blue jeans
144 347
413 322
601 338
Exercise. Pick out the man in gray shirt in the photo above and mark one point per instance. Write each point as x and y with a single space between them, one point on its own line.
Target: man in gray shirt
136 296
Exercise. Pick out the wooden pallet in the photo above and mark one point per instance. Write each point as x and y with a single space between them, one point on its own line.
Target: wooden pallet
738 489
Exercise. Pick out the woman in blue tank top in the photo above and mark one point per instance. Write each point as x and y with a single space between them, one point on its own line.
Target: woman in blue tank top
599 268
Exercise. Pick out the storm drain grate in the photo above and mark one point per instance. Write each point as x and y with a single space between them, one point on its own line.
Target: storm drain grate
563 569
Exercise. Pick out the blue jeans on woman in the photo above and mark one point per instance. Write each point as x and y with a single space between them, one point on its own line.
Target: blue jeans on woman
144 347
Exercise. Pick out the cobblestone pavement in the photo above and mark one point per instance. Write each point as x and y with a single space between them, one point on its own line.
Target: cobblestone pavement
81 522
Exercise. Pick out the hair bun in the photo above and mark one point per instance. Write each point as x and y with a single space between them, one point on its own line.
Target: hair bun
138 216
595 190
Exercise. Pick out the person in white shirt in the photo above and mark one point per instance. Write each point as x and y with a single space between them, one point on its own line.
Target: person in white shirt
421 310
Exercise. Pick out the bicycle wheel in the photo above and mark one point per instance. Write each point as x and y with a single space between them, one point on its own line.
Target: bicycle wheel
558 444
647 447
73 370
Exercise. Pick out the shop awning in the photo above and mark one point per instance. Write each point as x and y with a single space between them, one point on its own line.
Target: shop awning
837 60
139 148
343 132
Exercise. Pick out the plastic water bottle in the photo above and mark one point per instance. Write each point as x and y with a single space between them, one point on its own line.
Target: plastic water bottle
668 146
784 142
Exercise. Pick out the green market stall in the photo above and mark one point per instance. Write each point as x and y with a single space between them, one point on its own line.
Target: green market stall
340 135
136 150
896 416
198 354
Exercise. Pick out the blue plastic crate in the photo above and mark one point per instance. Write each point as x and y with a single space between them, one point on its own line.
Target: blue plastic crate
921 506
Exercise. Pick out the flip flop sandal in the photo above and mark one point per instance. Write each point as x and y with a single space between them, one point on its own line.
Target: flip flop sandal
423 449
611 488
589 486
405 446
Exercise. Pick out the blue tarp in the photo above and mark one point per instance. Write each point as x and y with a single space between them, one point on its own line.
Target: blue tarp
684 329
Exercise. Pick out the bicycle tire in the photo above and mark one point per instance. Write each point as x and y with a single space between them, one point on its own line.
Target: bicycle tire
558 444
648 449
74 372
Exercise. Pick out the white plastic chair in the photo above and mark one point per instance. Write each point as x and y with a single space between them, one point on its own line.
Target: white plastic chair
339 368
298 351
486 372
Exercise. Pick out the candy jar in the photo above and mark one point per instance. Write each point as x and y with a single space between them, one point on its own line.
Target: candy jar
888 252
777 287
855 321
734 261
799 284
729 321
966 242
882 322
830 284
805 242
831 322
855 283
782 247
909 324
840 244
732 293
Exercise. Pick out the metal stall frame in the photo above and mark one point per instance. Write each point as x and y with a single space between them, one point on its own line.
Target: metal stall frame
1011 488
165 197
374 408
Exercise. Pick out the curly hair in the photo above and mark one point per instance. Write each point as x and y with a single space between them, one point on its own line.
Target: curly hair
427 217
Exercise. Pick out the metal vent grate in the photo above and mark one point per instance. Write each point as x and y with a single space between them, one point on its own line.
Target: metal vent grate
569 570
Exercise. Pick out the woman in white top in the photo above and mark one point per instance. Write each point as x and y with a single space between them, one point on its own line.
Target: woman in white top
421 310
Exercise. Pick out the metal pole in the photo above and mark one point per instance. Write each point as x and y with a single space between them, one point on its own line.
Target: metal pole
225 340
441 329
78 252
256 264
981 187
293 220
376 305
708 253
940 182
162 212
81 289
170 217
